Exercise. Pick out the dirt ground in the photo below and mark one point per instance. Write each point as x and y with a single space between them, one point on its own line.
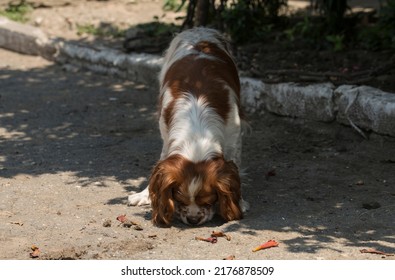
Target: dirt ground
73 145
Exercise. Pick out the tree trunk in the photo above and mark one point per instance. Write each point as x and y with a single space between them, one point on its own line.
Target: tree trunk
202 12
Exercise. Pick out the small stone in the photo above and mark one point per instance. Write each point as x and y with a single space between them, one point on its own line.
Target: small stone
138 227
371 205
127 224
107 223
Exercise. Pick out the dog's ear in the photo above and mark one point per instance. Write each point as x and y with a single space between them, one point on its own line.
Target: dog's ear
228 187
161 184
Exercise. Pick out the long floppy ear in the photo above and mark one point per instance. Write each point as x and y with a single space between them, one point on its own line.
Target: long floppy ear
161 184
229 190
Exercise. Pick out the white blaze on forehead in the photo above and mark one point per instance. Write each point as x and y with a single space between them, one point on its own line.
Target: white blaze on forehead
194 188
194 210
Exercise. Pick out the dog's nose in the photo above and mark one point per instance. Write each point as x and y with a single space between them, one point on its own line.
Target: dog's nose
193 220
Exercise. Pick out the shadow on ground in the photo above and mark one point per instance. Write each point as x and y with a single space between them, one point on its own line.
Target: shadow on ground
320 184
54 121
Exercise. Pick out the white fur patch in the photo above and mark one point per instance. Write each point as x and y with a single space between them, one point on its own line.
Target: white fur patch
193 188
198 132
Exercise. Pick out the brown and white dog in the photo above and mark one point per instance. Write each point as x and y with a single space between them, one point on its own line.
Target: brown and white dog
200 124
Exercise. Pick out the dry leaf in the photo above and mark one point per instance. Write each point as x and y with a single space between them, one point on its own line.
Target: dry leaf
373 251
220 234
126 222
231 257
36 252
266 245
209 239
122 218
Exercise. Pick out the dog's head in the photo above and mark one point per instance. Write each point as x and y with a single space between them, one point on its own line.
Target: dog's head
191 190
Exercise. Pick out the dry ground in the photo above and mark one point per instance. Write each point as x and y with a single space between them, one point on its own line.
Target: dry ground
73 145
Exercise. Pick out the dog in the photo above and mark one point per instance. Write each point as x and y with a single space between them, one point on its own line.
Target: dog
200 124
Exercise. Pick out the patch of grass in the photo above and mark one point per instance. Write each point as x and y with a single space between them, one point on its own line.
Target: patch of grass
337 42
302 28
173 5
17 12
157 28
104 30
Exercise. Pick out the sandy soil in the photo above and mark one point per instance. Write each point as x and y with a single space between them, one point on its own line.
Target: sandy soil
62 17
73 145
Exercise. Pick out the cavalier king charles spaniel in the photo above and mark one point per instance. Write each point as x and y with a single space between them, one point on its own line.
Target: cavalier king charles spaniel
200 124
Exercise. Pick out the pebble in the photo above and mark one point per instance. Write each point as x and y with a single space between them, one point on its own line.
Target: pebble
107 223
370 205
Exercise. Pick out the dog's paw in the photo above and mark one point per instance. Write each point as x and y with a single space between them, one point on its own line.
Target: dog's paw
138 199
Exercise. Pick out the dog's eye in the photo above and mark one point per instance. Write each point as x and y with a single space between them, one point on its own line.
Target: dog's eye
176 192
180 197
207 200
179 194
